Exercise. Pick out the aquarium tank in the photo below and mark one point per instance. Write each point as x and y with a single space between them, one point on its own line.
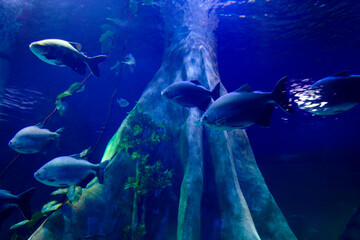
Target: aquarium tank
179 120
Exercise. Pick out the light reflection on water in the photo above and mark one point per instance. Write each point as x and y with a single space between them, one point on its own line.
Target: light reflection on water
19 99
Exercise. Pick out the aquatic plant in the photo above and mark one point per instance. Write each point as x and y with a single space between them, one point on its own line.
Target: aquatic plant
31 225
61 106
142 134
139 233
150 178
73 195
143 137
35 220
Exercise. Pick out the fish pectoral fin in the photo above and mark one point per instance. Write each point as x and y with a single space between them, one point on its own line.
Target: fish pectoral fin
264 116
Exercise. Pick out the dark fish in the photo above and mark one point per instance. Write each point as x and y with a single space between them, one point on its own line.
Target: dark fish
191 94
33 139
331 95
66 54
245 107
67 171
8 202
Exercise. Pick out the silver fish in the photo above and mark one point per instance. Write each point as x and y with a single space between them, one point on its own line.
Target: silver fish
66 54
67 171
245 107
130 62
8 202
191 94
122 102
33 139
331 95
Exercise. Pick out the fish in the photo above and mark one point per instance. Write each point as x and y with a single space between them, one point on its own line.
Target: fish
33 139
66 171
66 54
9 202
122 102
130 62
191 94
331 95
244 107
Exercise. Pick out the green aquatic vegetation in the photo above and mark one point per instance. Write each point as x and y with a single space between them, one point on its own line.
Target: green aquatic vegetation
116 67
107 38
150 178
137 130
84 154
36 217
61 106
50 206
141 136
137 235
73 193
31 225
74 88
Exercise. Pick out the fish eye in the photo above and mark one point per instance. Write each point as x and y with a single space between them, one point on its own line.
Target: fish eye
205 117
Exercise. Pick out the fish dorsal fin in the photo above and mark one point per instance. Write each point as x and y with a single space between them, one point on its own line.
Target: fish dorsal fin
76 156
342 74
244 88
195 82
77 46
39 125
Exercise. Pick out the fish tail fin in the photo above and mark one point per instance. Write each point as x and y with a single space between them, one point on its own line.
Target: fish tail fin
24 202
57 136
101 171
93 64
215 93
280 96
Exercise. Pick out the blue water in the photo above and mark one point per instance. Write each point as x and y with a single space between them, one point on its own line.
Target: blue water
310 163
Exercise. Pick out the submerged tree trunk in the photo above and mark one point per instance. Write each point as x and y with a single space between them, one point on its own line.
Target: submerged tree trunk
246 209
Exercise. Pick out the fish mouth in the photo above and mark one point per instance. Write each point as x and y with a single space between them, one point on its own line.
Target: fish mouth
13 145
34 46
38 176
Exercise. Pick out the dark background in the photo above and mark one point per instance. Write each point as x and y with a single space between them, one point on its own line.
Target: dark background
310 163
